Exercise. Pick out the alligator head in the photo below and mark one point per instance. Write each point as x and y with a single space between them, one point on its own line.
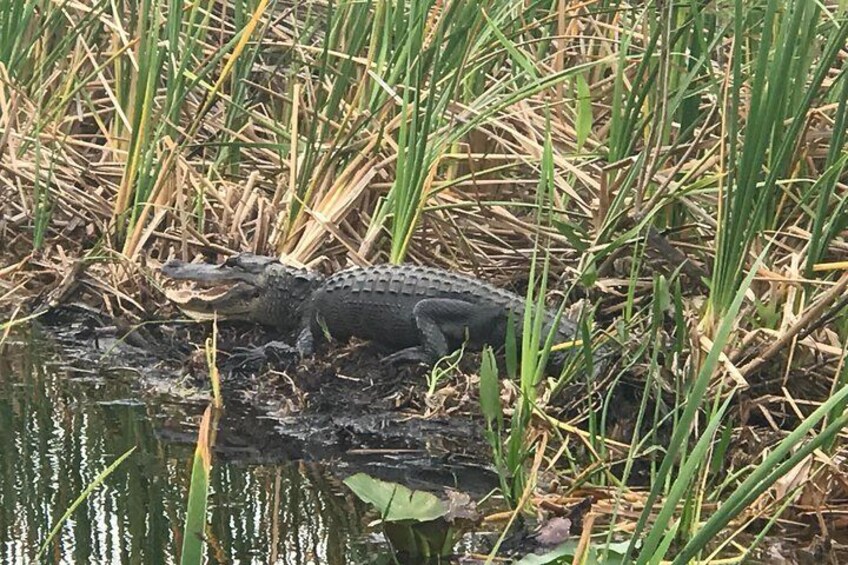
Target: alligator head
245 287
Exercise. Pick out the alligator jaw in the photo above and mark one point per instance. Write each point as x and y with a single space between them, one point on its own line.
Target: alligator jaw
228 291
204 272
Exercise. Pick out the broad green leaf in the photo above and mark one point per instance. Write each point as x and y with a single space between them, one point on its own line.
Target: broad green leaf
195 524
396 502
490 402
583 123
575 234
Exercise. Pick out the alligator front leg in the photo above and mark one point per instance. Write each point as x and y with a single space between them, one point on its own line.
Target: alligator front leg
274 352
253 358
444 322
306 341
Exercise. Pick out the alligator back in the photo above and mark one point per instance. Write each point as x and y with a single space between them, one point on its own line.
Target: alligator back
378 303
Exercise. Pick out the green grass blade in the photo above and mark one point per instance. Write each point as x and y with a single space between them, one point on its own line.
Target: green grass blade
82 498
195 522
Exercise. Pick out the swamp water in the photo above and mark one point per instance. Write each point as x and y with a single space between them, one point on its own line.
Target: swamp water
67 413
63 422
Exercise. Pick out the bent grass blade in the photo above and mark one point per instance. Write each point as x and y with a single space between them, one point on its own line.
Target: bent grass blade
80 499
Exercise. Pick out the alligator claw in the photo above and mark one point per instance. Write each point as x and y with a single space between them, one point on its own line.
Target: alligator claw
408 355
273 353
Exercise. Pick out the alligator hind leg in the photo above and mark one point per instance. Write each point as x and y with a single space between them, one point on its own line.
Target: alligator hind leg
415 354
443 322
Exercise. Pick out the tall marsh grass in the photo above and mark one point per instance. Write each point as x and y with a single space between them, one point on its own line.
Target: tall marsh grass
684 161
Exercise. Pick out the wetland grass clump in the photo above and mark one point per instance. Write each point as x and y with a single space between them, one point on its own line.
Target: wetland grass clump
680 164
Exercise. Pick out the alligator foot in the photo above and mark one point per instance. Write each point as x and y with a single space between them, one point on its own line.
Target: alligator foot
254 358
409 355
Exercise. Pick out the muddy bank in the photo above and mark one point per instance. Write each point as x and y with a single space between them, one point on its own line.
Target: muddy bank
342 406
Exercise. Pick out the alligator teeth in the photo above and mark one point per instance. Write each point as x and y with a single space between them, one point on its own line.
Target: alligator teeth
202 303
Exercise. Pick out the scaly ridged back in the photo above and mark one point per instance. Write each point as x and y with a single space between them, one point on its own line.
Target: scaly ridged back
377 302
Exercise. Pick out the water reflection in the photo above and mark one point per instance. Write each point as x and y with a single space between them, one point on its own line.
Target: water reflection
60 427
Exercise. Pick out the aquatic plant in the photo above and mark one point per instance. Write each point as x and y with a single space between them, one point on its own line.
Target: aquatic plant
194 531
418 524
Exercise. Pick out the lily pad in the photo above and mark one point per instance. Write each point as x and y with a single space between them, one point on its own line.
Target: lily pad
396 503
416 523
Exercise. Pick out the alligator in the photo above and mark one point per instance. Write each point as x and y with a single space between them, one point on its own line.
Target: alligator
421 313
